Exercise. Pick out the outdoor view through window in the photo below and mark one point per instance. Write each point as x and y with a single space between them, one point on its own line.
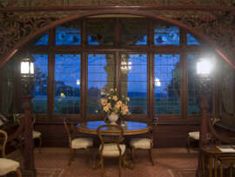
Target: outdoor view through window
89 56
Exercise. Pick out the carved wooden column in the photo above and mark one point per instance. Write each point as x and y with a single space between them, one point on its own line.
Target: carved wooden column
203 139
29 168
27 75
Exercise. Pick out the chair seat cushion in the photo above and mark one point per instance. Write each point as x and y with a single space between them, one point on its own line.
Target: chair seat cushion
194 135
7 166
111 150
141 143
81 143
36 134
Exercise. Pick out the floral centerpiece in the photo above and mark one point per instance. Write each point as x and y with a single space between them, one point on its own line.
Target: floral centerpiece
113 105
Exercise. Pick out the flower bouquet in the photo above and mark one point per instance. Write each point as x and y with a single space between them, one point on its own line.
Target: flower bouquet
113 105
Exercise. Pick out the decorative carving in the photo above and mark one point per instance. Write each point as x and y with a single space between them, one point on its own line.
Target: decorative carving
14 27
217 25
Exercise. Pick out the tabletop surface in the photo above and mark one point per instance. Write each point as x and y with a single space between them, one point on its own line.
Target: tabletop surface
220 149
130 127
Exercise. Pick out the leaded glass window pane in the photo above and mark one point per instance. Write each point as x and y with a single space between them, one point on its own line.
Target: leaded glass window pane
134 32
100 32
40 83
226 83
166 35
193 85
67 83
42 40
101 69
167 83
192 40
68 35
134 81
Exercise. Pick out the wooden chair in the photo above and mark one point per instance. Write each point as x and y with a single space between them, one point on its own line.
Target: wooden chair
111 138
195 135
227 162
145 143
75 142
7 165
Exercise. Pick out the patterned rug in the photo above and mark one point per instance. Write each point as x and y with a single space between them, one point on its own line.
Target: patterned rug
182 172
53 162
49 172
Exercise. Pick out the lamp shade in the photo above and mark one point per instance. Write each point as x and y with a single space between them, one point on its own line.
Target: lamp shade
204 67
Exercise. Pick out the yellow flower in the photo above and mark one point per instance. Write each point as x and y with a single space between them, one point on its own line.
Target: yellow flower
103 101
115 98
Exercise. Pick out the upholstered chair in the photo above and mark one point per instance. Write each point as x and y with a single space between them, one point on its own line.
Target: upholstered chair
144 143
111 138
192 136
7 165
76 143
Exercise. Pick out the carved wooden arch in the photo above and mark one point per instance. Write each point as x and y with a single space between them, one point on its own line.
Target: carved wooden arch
24 41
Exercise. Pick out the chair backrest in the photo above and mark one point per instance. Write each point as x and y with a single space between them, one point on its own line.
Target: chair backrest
110 134
3 142
69 128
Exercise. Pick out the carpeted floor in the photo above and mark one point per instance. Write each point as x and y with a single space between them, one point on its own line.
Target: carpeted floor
176 162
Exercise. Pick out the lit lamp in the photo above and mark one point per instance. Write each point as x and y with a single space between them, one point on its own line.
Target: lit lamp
27 75
125 64
204 67
27 68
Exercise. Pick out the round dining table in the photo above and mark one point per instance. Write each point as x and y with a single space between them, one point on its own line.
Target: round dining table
129 127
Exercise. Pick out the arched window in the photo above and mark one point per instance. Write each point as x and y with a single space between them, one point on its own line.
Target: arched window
150 61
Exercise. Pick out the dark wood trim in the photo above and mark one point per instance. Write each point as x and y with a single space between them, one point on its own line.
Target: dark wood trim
50 84
233 94
184 75
126 7
84 81
150 86
1 91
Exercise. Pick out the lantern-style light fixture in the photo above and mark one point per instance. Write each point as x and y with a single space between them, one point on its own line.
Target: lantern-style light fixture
27 68
204 67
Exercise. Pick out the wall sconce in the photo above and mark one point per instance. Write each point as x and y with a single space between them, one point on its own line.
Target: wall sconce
27 68
27 74
204 67
126 65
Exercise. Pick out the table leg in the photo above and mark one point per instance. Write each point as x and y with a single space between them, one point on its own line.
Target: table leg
210 165
215 167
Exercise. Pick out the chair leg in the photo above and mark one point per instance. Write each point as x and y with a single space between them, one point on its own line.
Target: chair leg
40 143
231 170
221 169
120 166
18 173
132 154
102 166
72 154
151 156
188 144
